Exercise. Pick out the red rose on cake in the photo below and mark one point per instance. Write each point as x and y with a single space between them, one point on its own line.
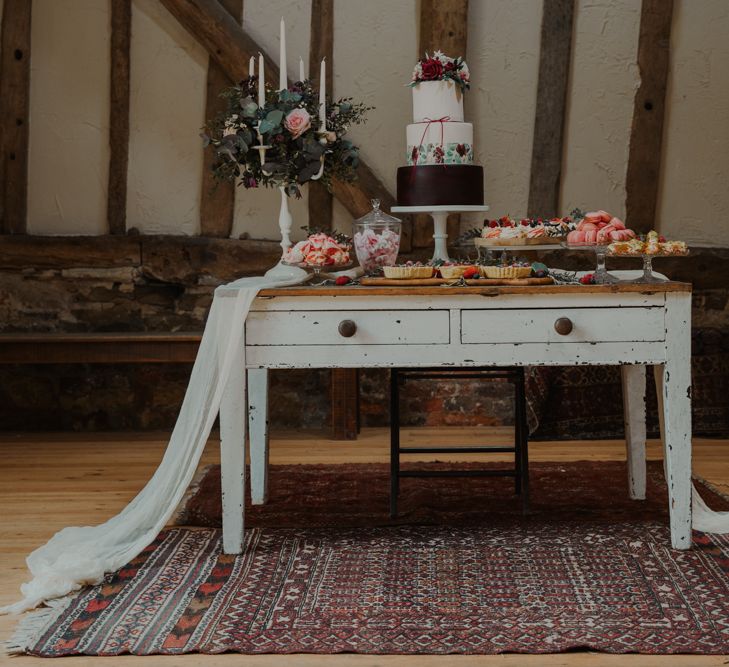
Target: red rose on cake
432 69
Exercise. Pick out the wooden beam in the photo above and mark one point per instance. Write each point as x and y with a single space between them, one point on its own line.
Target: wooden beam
99 348
646 135
217 203
321 45
444 27
345 403
14 104
554 71
231 47
121 35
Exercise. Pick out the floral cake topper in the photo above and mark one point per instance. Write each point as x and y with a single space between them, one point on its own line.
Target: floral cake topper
440 67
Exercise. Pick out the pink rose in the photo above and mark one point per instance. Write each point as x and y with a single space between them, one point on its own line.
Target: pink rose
297 122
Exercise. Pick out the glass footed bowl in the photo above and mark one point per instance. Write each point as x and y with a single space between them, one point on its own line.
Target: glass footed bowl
601 275
318 269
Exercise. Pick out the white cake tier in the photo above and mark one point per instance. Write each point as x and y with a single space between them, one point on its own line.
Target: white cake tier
437 99
435 143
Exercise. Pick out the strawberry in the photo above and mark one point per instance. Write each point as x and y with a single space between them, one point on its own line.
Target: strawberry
470 272
343 280
588 279
493 223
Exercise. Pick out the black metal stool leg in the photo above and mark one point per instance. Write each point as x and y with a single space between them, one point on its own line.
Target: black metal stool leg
523 444
517 438
394 441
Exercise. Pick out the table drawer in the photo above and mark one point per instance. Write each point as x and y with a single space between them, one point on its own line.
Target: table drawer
348 327
578 325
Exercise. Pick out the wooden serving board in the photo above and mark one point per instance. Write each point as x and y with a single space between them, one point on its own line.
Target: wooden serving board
430 282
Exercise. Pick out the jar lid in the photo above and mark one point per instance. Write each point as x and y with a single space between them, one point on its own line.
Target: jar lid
376 215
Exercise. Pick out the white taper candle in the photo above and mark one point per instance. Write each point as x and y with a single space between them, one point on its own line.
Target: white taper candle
252 66
323 96
301 69
283 78
261 82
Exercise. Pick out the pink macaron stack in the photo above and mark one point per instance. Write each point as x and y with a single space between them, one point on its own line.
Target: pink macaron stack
597 228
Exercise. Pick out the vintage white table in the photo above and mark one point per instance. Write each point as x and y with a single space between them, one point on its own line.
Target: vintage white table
630 325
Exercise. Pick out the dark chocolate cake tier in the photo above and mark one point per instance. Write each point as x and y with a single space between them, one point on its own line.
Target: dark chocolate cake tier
440 185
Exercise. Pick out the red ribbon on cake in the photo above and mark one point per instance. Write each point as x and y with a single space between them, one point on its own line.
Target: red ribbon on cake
428 122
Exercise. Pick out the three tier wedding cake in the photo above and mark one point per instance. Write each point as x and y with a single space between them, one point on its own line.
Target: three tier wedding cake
439 156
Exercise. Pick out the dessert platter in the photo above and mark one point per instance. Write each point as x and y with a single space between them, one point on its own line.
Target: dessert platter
461 273
652 246
525 233
440 177
594 233
319 252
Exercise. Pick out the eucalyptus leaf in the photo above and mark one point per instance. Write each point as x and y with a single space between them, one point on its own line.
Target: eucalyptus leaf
248 107
344 107
308 172
246 135
266 126
206 140
275 117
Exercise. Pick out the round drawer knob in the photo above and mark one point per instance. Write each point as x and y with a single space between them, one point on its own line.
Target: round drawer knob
347 328
563 326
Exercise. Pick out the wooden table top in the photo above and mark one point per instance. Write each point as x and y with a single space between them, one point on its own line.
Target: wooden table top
491 290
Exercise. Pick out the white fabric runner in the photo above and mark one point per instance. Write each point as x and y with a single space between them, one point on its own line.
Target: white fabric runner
78 556
75 557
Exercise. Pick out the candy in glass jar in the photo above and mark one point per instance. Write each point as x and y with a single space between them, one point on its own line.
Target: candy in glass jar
377 239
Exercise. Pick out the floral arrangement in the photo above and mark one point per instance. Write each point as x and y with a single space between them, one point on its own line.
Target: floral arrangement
440 67
290 127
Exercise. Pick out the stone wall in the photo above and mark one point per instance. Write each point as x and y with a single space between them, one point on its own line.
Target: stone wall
148 283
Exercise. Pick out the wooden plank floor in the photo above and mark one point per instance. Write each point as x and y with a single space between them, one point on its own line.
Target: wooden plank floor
51 481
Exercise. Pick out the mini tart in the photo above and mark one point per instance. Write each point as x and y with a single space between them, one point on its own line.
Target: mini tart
506 271
516 240
405 272
454 271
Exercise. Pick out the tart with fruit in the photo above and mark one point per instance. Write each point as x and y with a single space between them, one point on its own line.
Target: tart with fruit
408 271
514 269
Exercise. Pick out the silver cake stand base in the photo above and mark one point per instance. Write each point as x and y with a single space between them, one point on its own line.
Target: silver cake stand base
440 217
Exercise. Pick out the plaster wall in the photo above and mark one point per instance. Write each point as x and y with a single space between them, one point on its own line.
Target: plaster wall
503 56
603 82
694 198
167 102
375 46
69 117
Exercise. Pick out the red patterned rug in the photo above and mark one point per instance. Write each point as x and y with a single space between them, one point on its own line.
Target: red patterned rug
575 574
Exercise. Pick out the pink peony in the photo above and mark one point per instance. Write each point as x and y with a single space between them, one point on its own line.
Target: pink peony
297 122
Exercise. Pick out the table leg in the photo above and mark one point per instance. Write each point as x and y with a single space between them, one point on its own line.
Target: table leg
633 378
258 433
233 455
677 416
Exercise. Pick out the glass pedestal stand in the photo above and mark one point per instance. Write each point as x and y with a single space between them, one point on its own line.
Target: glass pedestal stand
648 275
601 275
440 218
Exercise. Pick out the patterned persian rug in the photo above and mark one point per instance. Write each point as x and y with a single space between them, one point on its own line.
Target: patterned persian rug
585 570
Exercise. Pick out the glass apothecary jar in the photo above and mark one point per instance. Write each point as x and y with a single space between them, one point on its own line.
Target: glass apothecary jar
377 238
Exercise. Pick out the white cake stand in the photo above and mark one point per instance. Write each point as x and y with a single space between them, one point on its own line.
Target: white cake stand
440 217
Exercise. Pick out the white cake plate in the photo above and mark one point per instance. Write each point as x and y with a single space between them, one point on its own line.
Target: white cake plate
440 217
